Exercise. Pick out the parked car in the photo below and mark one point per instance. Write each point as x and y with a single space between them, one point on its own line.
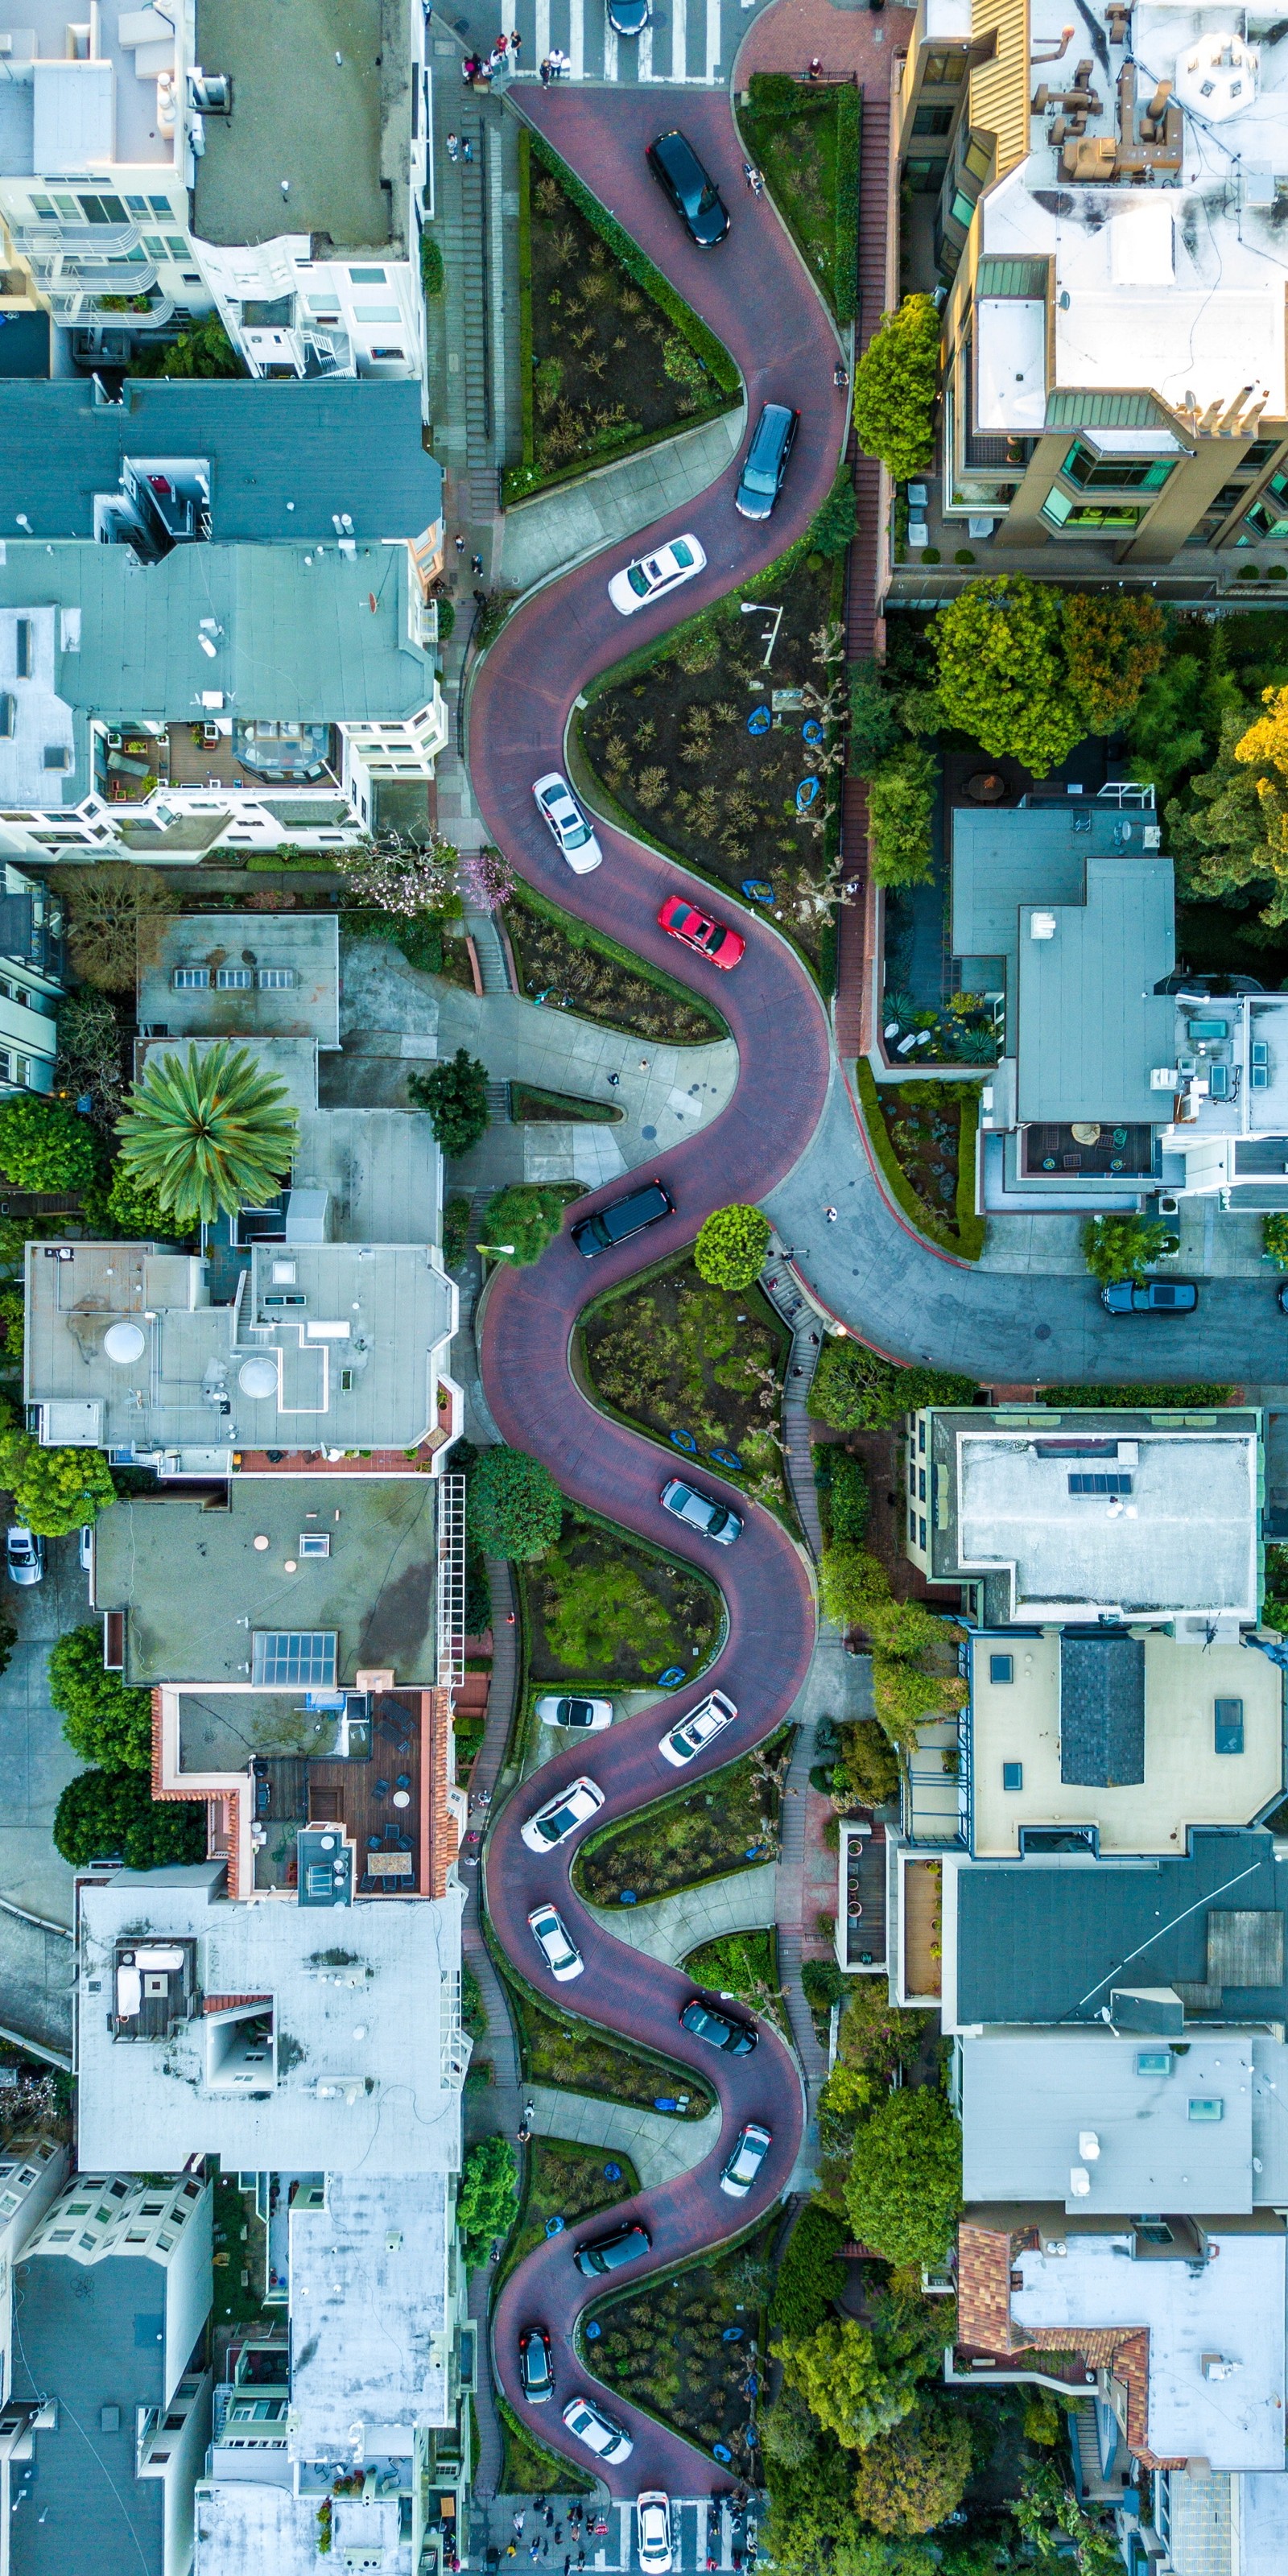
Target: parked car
598 2431
712 939
750 2151
24 1554
650 577
557 803
653 2519
691 189
551 1937
766 460
85 1547
1282 1298
692 1733
706 2023
583 1716
622 1218
608 2253
1150 1297
536 2371
715 1520
561 1815
629 17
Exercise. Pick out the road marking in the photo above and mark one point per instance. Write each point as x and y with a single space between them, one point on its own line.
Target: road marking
679 40
713 38
577 39
610 50
646 53
542 45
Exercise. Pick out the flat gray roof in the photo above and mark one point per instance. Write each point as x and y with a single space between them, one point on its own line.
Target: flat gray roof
196 1588
368 2313
298 115
1029 2097
1004 857
1090 1025
91 2336
304 945
1183 1538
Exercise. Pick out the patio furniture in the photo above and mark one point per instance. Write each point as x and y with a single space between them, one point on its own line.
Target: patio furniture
402 1797
380 1788
373 1842
403 1780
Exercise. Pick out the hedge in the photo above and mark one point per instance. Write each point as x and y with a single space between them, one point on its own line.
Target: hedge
526 387
845 265
1140 1399
713 353
968 1240
582 936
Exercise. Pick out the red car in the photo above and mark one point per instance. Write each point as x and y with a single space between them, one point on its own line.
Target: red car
723 947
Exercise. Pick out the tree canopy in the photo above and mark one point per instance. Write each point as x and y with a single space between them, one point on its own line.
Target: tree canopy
489 2190
103 1719
895 384
855 1389
1113 643
116 909
209 1131
1122 1247
514 1506
903 2191
811 2274
732 1246
913 2476
105 1814
54 1490
526 1216
844 2382
901 805
454 1091
44 1145
1002 672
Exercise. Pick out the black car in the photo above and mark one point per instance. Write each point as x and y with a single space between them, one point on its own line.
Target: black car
623 1218
1150 1297
536 2374
693 193
629 17
765 464
608 2253
706 2023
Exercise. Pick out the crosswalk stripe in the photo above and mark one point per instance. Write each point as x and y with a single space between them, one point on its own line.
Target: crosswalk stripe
610 50
577 39
679 40
542 45
646 53
713 38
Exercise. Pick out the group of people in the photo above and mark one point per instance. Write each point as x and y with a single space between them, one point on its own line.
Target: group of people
478 72
579 2527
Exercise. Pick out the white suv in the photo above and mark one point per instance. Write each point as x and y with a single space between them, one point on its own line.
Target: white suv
561 1816
560 809
695 1731
653 2511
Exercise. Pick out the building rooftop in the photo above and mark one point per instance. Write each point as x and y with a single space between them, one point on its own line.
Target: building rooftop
265 976
199 1588
1211 1747
63 118
1049 1940
327 448
356 2022
369 2310
244 2526
1031 2099
1090 1026
1231 2311
299 78
91 2339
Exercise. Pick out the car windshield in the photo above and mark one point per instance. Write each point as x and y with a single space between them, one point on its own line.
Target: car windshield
755 480
638 580
551 1827
683 554
719 1520
574 833
556 1941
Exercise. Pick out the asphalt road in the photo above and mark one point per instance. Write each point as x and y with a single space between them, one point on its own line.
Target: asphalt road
753 291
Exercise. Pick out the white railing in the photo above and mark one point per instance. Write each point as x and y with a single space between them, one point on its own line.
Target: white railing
451 1582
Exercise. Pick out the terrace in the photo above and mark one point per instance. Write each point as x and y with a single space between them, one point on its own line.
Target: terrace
378 1797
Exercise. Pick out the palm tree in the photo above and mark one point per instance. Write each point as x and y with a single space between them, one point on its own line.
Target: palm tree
208 1131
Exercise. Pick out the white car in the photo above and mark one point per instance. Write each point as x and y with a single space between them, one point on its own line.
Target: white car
557 803
547 1929
750 2150
598 2432
650 577
86 1547
715 1520
24 1554
561 1816
653 2511
583 1716
697 1729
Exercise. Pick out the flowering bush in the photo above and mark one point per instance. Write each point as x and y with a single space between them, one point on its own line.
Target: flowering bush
396 875
485 879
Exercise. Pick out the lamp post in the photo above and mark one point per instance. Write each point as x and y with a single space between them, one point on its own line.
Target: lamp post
497 1248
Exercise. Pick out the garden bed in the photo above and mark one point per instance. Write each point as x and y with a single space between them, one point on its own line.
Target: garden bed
561 963
600 1608
558 2050
241 2249
568 2182
667 737
726 1823
529 1108
744 1964
612 358
664 2348
923 1135
806 141
528 2468
672 1353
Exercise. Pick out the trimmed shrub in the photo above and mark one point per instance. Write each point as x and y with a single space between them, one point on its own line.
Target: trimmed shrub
44 1145
732 1247
104 1721
514 1506
811 2274
856 1390
895 385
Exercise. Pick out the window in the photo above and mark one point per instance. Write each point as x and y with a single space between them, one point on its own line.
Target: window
1060 512
912 1529
137 205
154 246
235 979
55 756
23 647
1206 2106
276 979
933 120
191 979
161 206
102 210
1154 2231
921 1484
44 208
921 1438
1012 1775
367 277
961 209
287 1658
388 354
921 1527
315 1543
1116 473
178 249
1154 2061
944 71
1229 1726
1106 1483
1001 1668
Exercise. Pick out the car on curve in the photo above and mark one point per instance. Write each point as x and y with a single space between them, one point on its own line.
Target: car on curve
24 1554
608 2253
583 1716
691 189
560 809
715 1520
705 2022
650 577
622 1218
1150 1297
690 1735
766 460
561 1815
598 2431
536 2370
653 2522
550 1934
712 939
749 2153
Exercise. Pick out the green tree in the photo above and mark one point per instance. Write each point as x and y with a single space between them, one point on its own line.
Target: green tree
831 528
1049 2516
116 909
901 807
856 1390
454 1091
526 1216
732 1247
1122 1247
895 383
852 1582
1274 1239
788 2431
903 2190
488 2194
138 1213
813 2530
54 1490
1113 644
205 350
513 1504
13 1317
912 2477
105 1814
104 1721
1177 723
838 2372
867 1772
811 2274
874 722
43 1144
1002 672
848 1499
208 1131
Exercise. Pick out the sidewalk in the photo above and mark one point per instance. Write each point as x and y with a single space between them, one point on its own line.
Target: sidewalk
671 1926
555 530
660 2148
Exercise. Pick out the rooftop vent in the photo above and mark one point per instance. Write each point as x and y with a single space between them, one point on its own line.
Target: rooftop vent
1079 2183
1042 925
124 1343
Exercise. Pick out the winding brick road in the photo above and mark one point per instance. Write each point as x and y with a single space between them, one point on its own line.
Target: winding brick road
754 293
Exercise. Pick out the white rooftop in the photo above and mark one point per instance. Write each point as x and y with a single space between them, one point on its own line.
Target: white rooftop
369 2311
1031 2100
244 2528
1231 2314
362 2001
1183 1540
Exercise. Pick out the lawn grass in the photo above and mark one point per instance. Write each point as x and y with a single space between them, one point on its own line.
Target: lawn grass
806 141
721 1824
532 1107
601 1607
663 2346
574 968
558 2050
743 1964
673 1353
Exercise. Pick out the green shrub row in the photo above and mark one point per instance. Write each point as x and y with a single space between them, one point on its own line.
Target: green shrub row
968 1241
845 264
1141 1399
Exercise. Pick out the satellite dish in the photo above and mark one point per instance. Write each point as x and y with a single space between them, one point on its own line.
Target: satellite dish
124 1344
258 1376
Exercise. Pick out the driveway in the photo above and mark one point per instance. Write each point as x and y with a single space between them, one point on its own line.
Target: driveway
37 1762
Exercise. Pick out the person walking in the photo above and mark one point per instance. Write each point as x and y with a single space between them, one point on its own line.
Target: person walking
467 148
476 566
516 42
547 73
559 62
454 154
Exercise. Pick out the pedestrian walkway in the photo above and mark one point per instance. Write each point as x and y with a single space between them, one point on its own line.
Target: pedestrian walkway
687 42
490 2108
660 2147
671 1926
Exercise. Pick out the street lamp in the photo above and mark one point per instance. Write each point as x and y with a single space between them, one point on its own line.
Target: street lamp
494 1247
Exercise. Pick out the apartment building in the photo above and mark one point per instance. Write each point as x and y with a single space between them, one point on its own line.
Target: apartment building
1103 201
31 977
159 163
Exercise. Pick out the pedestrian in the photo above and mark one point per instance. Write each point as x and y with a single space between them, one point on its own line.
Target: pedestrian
454 154
511 2552
517 2520
830 1214
566 2565
614 1079
470 69
547 72
460 541
534 2549
550 2517
524 2134
516 41
815 71
559 62
476 566
497 59
467 149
